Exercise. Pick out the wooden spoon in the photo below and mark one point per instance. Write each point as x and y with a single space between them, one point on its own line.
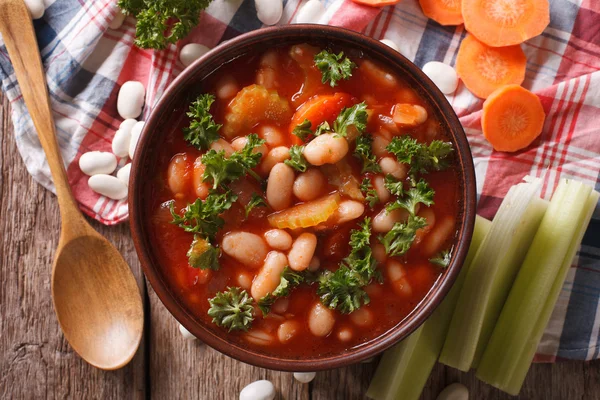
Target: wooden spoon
95 295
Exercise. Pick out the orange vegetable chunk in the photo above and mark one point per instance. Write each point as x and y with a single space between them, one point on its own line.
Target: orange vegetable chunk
377 3
307 214
512 118
500 23
444 12
320 108
484 69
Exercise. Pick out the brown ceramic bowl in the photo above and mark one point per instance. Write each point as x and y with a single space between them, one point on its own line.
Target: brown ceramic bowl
174 101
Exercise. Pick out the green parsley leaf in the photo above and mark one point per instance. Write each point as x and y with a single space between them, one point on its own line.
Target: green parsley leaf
160 22
289 280
202 130
302 130
393 185
297 160
361 257
203 255
334 67
232 309
420 193
364 152
422 158
355 116
442 259
322 128
220 169
402 235
366 187
256 201
202 217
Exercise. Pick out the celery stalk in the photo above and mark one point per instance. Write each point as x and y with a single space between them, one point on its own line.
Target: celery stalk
491 274
405 368
528 309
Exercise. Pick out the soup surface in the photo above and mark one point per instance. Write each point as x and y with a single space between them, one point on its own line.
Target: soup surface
306 203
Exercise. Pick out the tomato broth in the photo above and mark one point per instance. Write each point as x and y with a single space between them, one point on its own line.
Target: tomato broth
404 280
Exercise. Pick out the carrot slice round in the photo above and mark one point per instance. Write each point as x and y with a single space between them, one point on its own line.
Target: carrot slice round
500 23
444 12
512 118
484 69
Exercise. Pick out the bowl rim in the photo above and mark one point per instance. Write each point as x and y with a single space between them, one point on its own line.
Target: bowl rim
373 48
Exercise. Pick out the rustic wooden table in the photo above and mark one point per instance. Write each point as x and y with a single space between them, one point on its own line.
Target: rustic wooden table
36 361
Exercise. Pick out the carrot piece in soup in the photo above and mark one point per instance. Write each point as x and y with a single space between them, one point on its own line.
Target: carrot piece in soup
512 118
320 108
484 69
444 12
500 23
307 214
252 105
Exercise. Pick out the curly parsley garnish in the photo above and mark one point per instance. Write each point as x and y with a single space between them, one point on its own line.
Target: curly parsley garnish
256 201
203 255
402 235
232 309
202 130
420 193
160 22
302 130
364 152
371 197
422 158
334 67
442 259
289 280
355 116
297 160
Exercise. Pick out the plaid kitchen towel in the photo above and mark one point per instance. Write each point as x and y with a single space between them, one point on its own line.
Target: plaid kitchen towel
87 63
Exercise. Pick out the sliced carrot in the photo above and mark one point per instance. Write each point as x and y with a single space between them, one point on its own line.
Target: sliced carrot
512 118
484 69
500 23
307 214
320 108
377 3
444 12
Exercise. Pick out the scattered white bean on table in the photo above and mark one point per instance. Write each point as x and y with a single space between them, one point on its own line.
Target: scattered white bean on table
191 52
443 75
122 139
304 377
136 131
187 335
117 20
36 8
97 162
247 248
108 185
131 99
310 12
269 11
123 173
390 43
259 390
454 391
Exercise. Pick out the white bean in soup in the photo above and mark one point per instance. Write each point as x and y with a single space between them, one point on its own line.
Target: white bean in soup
320 320
269 276
327 148
280 186
302 251
247 248
278 239
309 185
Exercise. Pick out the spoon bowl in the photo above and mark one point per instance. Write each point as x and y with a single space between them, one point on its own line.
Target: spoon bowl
95 295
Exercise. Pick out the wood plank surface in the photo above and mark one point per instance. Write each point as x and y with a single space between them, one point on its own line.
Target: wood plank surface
36 362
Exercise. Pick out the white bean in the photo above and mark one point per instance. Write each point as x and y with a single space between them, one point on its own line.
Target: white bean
345 334
315 264
244 280
259 390
97 162
36 8
281 305
390 43
302 251
280 186
276 155
259 337
269 276
239 143
320 320
362 317
404 115
131 99
177 177
443 75
247 248
226 87
437 237
187 335
288 330
379 253
310 13
117 20
200 187
108 185
278 239
390 166
304 377
327 148
348 210
454 391
271 134
120 142
123 173
379 186
269 11
379 146
222 145
397 276
136 131
309 185
384 221
191 52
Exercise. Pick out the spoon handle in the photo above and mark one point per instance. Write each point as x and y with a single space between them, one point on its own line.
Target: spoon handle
19 36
